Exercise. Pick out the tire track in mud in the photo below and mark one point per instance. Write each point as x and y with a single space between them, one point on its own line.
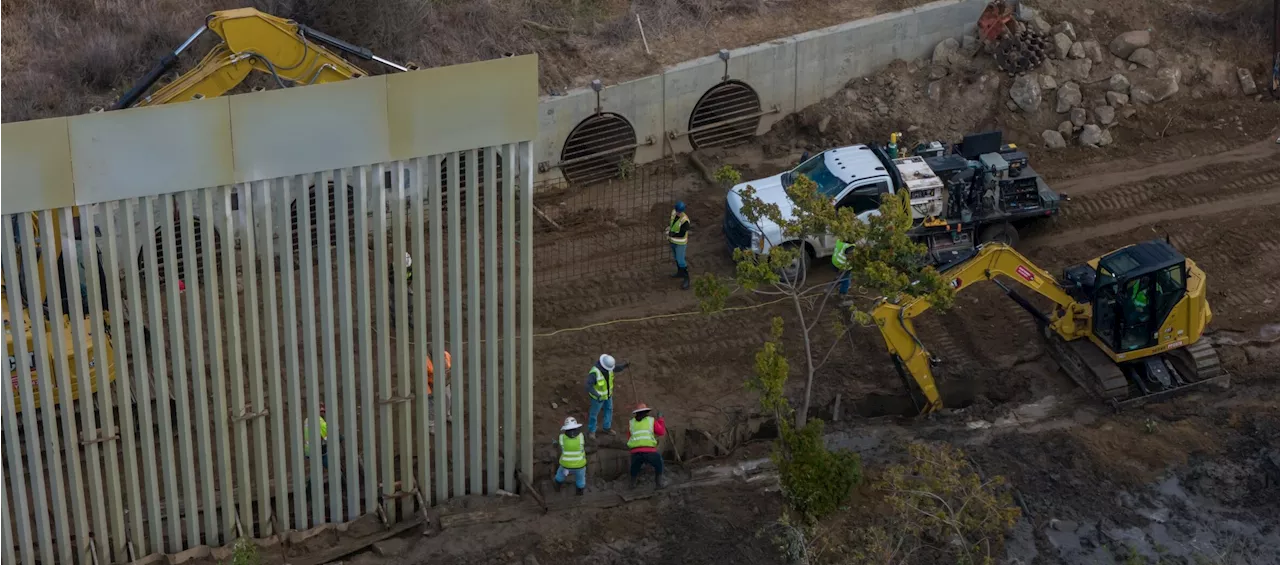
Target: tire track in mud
1200 188
1186 163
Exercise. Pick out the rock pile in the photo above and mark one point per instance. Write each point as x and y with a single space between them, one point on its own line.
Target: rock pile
1092 83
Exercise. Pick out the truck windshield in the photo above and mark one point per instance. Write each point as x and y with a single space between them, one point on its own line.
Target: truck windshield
816 170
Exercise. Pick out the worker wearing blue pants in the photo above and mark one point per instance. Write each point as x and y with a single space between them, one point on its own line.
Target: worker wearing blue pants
600 389
678 237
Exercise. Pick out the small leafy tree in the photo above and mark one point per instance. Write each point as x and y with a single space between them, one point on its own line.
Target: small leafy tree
815 480
884 261
938 506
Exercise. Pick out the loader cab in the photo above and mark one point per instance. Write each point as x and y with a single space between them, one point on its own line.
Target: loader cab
1133 291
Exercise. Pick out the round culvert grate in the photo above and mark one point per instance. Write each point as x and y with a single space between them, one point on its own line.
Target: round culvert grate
312 214
728 114
180 249
595 148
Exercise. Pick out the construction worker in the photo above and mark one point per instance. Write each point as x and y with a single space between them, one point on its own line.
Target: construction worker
643 443
600 389
431 382
841 261
678 236
324 439
573 455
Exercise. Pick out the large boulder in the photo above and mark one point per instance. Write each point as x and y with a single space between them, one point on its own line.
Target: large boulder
1077 51
1076 69
1144 57
1026 93
1128 42
1091 135
1156 89
1053 139
1065 28
1106 115
1068 97
947 52
1079 117
1066 128
1092 50
1118 83
1247 86
1062 45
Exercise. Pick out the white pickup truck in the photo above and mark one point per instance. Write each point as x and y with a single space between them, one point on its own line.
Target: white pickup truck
982 191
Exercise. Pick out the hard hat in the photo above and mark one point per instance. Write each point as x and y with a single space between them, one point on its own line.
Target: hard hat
680 206
408 260
606 361
570 424
642 407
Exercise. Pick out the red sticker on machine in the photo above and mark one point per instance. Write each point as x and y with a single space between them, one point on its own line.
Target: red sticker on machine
1025 273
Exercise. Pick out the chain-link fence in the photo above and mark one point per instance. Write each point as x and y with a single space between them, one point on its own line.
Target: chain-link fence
608 227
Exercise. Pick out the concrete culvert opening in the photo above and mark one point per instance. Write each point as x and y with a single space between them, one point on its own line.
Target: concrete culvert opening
726 115
180 249
596 147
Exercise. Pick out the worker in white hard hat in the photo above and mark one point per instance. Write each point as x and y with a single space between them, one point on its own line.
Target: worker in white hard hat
573 455
600 389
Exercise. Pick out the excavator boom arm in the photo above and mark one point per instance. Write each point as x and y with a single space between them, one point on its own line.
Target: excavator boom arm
895 320
252 40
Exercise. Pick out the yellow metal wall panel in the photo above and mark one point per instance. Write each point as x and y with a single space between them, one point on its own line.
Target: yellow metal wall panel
36 166
446 109
151 151
302 130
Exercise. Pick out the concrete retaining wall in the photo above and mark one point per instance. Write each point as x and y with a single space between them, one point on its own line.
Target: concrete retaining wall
788 74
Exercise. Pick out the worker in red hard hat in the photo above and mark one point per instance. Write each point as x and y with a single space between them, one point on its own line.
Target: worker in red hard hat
643 443
431 382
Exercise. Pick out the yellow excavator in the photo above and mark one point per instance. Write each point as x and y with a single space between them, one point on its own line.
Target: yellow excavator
33 267
1127 326
291 53
250 40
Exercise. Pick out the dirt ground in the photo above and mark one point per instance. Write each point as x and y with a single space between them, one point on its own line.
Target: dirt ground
1189 480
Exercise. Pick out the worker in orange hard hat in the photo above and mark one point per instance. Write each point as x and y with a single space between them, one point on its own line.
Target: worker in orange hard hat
431 372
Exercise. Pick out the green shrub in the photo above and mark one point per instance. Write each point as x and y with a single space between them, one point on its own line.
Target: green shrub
815 480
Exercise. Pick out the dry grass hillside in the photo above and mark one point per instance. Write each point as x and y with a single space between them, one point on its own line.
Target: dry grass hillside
62 57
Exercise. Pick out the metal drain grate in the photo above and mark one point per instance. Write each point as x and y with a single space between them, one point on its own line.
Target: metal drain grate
180 249
728 114
596 147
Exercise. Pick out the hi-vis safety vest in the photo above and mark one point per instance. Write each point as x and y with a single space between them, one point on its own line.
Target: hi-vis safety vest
642 433
604 384
573 453
306 433
840 260
673 233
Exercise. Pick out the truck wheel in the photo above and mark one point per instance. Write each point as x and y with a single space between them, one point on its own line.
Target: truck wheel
799 268
1003 232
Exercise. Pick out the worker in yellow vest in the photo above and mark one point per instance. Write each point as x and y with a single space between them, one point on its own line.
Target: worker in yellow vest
643 443
840 258
600 390
324 438
573 455
678 236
